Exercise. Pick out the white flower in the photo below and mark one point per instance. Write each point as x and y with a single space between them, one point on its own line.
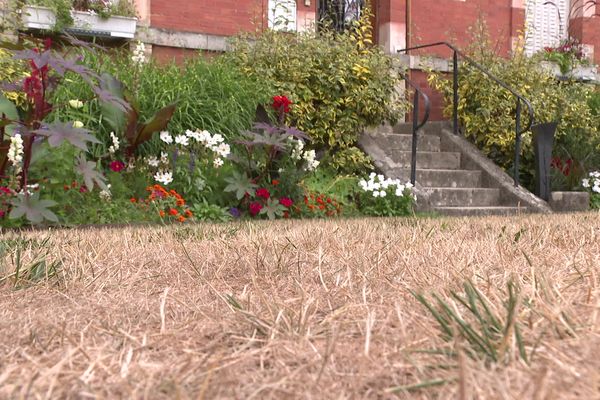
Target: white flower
223 149
164 177
166 137
139 53
372 175
204 137
311 162
77 124
383 193
164 157
76 103
116 144
375 193
596 188
409 185
400 190
105 194
380 178
182 140
363 184
217 138
15 150
585 183
153 161
218 162
193 134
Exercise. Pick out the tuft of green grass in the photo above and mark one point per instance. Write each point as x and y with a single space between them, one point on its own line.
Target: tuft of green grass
30 261
487 332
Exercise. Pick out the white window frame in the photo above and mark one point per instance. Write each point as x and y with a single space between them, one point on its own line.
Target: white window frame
544 27
282 15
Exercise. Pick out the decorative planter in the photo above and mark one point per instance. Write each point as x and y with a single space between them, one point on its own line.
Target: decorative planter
570 201
587 73
85 23
543 140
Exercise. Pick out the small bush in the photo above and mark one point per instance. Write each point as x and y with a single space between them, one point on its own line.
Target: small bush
487 111
339 83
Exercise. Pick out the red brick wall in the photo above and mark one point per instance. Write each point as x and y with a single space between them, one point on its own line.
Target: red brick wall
166 54
222 17
587 31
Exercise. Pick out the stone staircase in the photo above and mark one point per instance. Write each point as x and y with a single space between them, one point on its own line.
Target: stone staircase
453 177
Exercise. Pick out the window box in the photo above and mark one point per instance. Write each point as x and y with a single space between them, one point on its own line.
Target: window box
583 73
85 23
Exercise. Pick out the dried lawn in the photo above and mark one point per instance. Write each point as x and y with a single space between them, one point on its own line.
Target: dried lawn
301 309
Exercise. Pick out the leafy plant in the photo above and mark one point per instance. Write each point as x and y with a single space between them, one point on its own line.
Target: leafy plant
487 111
567 55
384 197
23 131
339 82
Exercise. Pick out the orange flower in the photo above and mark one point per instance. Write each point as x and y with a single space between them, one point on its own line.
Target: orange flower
181 218
180 202
275 182
161 213
133 200
188 213
321 207
173 211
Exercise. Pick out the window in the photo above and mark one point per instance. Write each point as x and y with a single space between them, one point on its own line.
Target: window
282 15
339 13
546 24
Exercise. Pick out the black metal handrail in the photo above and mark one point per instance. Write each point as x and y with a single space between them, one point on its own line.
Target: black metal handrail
416 124
520 99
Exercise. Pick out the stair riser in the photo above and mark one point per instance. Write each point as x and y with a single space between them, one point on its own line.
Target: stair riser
465 198
426 160
404 143
443 178
429 129
476 212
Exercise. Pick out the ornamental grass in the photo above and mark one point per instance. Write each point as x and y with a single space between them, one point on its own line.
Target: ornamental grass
488 308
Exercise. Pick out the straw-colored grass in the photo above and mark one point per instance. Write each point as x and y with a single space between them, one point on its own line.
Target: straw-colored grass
303 309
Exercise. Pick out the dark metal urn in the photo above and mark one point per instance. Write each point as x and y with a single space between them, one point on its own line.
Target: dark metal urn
543 140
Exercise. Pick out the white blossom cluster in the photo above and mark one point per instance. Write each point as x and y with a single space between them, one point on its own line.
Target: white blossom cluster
106 194
592 182
380 186
298 153
163 175
115 143
15 150
139 53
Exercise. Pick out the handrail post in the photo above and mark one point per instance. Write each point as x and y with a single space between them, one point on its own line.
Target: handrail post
455 92
517 142
413 160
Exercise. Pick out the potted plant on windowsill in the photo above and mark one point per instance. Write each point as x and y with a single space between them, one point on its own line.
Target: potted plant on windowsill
86 17
568 61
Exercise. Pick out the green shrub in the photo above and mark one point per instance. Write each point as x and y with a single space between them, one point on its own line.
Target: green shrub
210 95
487 111
339 83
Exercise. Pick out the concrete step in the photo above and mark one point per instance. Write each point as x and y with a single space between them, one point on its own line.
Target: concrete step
431 128
480 211
452 178
397 142
464 197
428 159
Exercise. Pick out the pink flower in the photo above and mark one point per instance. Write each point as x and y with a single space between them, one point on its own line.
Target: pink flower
286 202
255 208
263 193
117 166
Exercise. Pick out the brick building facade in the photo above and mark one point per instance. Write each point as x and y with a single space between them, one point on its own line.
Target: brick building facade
179 28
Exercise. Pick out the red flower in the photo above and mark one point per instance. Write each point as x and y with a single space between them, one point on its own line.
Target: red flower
275 182
263 193
255 208
173 211
286 202
281 103
117 166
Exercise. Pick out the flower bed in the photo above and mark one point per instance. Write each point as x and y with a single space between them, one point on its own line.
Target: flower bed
57 169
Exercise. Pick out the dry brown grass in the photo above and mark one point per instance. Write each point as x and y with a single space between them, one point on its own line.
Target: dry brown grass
315 309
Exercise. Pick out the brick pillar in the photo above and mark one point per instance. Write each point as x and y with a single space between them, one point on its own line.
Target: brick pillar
306 14
585 27
391 16
517 23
